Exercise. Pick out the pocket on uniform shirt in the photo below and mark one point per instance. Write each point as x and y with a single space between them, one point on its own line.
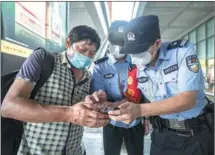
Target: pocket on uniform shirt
107 85
144 87
110 88
170 78
170 81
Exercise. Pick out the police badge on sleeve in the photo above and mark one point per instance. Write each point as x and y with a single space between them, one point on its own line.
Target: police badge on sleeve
193 63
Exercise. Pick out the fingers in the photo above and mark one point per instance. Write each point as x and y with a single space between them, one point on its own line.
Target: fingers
124 105
96 115
105 105
102 94
89 99
122 118
96 96
123 109
102 122
90 105
115 112
95 123
123 101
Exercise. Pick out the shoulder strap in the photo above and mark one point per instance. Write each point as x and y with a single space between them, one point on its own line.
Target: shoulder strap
46 71
177 44
101 60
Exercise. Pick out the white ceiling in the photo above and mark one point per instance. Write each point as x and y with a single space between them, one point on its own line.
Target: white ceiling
80 14
177 17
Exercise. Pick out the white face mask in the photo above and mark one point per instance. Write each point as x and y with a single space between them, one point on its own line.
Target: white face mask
114 50
141 59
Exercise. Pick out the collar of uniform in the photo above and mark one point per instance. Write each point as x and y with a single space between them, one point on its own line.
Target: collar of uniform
112 60
163 52
142 68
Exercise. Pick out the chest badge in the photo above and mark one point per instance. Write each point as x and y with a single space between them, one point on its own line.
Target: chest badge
130 80
142 79
108 75
170 69
192 63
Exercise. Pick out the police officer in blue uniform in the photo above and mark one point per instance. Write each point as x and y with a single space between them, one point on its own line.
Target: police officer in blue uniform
170 76
110 75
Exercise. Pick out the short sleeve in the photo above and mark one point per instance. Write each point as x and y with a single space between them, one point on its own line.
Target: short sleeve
31 68
190 75
97 80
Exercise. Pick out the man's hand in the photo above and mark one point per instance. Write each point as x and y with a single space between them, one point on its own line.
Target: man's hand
82 114
128 112
97 97
98 100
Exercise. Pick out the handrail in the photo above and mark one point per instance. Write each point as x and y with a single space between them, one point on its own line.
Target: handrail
209 94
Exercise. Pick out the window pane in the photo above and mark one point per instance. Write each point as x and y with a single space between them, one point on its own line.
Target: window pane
195 46
209 81
203 66
210 47
192 36
185 37
201 33
201 50
210 27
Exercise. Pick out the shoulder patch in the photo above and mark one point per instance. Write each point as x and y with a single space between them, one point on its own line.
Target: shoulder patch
192 63
142 79
177 44
101 60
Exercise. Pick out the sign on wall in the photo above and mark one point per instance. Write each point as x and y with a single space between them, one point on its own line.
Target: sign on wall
27 24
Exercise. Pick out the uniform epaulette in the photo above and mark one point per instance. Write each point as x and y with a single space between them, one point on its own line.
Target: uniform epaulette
101 60
177 44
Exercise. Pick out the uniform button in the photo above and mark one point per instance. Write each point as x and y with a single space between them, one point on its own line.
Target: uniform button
161 83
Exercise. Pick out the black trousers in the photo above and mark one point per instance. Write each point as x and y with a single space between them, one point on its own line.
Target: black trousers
169 143
133 138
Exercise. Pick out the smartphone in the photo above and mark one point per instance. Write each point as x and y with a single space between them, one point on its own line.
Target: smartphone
110 109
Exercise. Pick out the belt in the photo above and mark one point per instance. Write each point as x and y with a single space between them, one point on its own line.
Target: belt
186 128
183 125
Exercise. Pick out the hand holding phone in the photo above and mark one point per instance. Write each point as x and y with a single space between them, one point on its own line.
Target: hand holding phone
109 109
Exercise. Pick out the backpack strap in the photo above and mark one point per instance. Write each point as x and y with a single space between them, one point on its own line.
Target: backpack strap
46 71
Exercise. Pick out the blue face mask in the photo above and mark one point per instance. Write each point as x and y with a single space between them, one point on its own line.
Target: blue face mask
79 61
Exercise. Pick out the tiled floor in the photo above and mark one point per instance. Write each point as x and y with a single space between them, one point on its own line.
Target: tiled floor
94 146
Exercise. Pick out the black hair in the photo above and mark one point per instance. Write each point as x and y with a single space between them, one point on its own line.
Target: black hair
84 32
